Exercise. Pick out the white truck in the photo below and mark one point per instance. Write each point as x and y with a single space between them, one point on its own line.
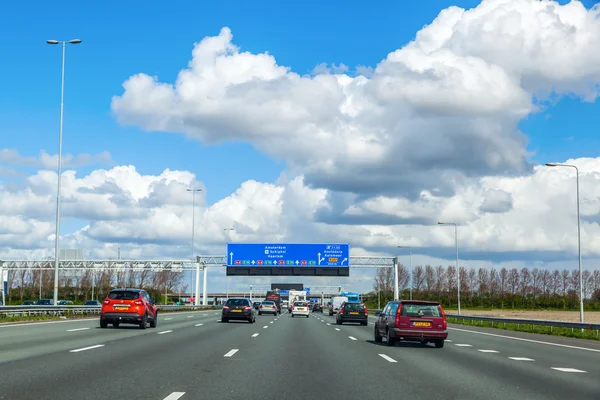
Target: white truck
335 303
295 295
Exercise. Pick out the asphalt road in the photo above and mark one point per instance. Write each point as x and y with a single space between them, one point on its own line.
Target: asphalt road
193 356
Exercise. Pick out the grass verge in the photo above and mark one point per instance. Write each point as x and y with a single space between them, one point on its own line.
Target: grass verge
539 329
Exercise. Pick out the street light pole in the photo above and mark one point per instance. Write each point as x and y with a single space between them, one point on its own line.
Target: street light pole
411 270
194 248
457 265
59 169
581 317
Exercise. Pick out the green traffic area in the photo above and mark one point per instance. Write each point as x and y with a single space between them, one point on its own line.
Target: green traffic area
591 334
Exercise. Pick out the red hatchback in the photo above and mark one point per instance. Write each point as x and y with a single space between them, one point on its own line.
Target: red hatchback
129 306
412 320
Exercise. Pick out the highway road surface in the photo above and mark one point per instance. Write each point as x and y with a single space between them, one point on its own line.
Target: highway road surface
194 356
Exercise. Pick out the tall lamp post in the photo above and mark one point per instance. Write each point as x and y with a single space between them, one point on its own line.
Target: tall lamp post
578 236
411 270
59 170
193 190
457 265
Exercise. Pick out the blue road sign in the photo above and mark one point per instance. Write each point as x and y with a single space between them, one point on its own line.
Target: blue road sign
287 255
307 289
284 292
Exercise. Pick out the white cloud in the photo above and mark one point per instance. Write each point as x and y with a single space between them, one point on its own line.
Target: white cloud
48 161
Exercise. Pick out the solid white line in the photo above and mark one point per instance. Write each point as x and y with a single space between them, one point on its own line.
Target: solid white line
231 352
462 345
255 335
77 329
569 370
521 359
86 348
48 322
448 341
163 332
488 351
352 337
337 329
390 359
265 327
527 340
198 324
174 396
190 316
168 319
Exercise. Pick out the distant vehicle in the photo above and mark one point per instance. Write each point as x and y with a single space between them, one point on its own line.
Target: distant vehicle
352 297
238 308
274 295
294 296
92 303
44 302
352 312
335 304
412 320
267 307
300 308
256 304
317 308
65 303
28 303
129 306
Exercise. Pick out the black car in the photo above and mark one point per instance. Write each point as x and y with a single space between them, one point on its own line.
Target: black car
256 305
352 312
317 308
238 308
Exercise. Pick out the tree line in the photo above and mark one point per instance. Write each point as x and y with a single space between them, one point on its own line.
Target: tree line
38 284
492 288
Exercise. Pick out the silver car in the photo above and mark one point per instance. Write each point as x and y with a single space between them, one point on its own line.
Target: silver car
267 307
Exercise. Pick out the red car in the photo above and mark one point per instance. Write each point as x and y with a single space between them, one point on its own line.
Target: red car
412 320
129 306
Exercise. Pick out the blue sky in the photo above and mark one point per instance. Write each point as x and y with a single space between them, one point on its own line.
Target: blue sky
121 40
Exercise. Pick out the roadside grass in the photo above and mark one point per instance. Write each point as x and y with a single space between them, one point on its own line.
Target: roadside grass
590 334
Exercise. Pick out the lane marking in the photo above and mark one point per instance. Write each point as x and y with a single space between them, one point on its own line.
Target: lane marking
328 324
174 396
168 319
86 348
352 337
265 327
521 359
527 340
569 370
255 335
218 320
77 329
462 345
271 322
449 341
390 359
488 351
48 322
190 316
337 329
163 332
231 352
198 324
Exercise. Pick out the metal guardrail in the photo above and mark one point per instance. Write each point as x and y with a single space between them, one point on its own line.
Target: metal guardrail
532 322
21 311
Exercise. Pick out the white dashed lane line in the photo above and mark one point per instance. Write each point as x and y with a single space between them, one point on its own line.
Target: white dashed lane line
569 370
77 329
231 353
86 348
352 338
337 329
521 359
328 324
388 358
198 324
271 322
190 316
163 332
255 335
462 345
168 319
265 327
488 351
174 396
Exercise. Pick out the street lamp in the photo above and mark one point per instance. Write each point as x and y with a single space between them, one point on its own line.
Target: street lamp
60 134
411 270
457 266
578 236
194 246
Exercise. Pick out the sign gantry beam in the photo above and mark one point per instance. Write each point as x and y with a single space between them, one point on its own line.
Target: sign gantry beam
163 265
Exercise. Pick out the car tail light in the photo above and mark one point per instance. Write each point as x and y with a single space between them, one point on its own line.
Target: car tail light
366 311
444 317
225 307
398 315
260 306
138 303
106 301
247 308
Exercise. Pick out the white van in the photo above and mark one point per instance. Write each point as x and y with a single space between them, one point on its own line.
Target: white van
336 303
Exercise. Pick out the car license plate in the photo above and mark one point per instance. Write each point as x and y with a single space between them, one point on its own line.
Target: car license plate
353 313
237 310
301 309
423 324
121 308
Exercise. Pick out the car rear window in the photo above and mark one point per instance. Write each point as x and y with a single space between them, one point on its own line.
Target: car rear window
123 295
268 303
237 302
354 306
421 310
300 304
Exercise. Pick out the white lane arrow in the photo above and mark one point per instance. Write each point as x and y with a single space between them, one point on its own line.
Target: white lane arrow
343 261
297 262
253 262
320 259
231 258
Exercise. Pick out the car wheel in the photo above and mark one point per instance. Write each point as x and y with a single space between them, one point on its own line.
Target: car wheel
439 344
389 339
338 322
378 338
116 324
154 321
224 320
103 324
144 322
259 313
